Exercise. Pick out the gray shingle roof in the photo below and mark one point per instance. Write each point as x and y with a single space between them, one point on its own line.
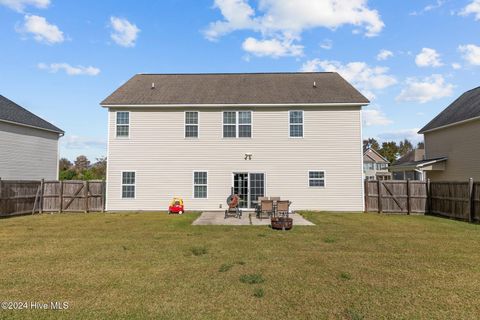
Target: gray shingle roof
466 107
12 112
235 88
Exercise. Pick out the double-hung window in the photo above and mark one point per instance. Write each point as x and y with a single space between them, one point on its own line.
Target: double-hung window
123 124
316 179
237 124
200 184
128 185
295 122
191 124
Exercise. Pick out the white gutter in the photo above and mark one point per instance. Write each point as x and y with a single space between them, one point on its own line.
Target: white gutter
349 104
61 134
449 125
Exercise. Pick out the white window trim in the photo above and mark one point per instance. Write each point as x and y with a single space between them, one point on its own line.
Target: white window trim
303 124
193 184
185 125
238 124
116 125
122 184
324 179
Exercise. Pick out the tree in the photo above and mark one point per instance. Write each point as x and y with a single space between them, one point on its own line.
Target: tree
371 143
405 147
421 145
64 164
81 163
390 151
99 168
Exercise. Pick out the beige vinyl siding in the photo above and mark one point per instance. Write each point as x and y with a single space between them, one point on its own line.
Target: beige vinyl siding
164 161
27 153
461 144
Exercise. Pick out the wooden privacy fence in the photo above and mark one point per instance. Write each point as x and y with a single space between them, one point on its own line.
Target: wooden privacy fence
459 200
23 197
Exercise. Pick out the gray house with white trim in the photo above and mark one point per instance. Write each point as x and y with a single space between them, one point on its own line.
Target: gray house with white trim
28 144
297 136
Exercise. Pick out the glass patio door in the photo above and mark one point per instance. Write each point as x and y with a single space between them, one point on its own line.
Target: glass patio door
249 186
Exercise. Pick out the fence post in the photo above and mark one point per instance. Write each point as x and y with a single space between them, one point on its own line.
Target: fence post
104 191
379 187
471 206
409 204
366 194
42 191
60 207
429 197
85 194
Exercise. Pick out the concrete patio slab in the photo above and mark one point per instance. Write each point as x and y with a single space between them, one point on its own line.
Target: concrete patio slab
210 218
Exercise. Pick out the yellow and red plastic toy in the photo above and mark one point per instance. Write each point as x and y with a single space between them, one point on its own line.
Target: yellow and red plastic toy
176 206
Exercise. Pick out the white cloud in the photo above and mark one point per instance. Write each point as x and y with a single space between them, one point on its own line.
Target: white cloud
430 7
42 30
77 142
428 58
471 53
472 8
456 66
425 90
384 55
327 44
374 116
399 135
70 70
20 5
366 78
124 32
287 19
274 48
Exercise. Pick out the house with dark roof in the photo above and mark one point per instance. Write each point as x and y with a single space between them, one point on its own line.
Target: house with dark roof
199 136
28 144
375 166
452 140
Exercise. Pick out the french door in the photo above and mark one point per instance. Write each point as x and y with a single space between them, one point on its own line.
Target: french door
248 186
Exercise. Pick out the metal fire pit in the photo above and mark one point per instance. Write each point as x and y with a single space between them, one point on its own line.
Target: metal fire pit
282 223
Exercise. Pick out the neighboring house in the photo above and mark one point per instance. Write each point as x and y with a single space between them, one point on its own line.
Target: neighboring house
413 166
197 136
28 144
453 138
375 166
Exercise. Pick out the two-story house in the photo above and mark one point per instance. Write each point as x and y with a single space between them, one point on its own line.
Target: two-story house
28 144
375 166
293 135
452 140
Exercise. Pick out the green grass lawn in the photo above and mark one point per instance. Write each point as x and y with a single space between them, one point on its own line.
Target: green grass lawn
151 265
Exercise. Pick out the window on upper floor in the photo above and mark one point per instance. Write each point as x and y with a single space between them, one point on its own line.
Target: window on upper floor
316 179
295 122
237 124
123 124
128 185
368 166
191 124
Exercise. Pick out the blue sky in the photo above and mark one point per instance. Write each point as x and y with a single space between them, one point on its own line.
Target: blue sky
412 58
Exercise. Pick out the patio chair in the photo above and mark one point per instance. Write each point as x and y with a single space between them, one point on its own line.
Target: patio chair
258 205
266 208
283 208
